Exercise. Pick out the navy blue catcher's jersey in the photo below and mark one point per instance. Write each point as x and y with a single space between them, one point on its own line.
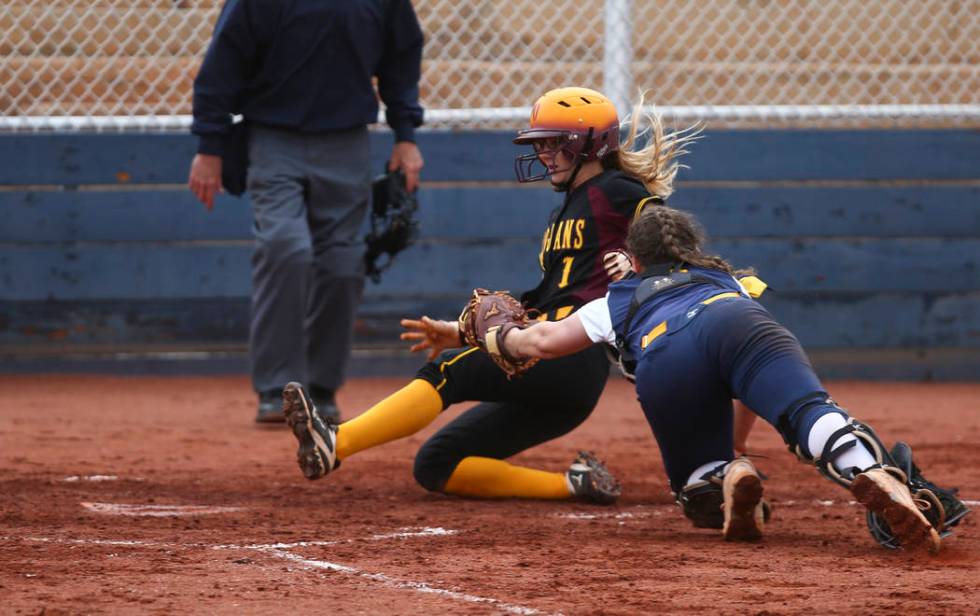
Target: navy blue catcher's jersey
592 221
655 316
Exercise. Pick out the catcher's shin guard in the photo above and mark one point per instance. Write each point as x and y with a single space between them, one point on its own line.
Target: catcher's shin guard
703 501
936 505
940 506
863 435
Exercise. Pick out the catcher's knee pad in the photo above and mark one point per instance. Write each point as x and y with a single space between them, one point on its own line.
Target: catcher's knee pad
809 407
703 501
939 505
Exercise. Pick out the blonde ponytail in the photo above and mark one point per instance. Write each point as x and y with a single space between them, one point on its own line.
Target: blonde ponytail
656 164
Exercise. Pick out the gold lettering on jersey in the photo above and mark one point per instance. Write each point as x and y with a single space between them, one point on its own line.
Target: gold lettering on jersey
556 245
564 235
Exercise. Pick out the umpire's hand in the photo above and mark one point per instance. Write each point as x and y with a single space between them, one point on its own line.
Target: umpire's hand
407 157
205 178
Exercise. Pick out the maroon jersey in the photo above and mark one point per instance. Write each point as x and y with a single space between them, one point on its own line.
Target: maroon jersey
592 221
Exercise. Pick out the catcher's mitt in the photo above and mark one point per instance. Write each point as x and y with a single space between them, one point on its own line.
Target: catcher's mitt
484 322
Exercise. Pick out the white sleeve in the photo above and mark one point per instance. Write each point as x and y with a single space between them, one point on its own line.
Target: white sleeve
595 319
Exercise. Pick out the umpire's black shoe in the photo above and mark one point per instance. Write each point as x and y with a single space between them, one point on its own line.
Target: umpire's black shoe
270 408
317 436
323 400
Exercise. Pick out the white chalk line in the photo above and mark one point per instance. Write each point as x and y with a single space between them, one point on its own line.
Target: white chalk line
280 550
421 587
156 511
72 478
405 533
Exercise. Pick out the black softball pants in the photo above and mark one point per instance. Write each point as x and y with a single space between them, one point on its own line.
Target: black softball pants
548 401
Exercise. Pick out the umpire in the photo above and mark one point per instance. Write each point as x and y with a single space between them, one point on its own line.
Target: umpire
300 73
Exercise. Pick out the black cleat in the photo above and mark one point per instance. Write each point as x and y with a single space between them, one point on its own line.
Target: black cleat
589 480
317 436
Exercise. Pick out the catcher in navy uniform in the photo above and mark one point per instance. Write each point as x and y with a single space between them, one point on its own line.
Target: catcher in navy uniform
697 338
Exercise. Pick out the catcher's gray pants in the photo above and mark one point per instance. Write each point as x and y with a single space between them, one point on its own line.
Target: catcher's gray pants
309 195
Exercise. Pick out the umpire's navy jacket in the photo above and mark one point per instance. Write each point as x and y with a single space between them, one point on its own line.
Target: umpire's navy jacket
307 65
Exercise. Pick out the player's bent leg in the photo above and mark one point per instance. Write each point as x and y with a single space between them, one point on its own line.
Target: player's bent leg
317 437
852 455
491 432
770 373
549 401
587 479
401 414
477 477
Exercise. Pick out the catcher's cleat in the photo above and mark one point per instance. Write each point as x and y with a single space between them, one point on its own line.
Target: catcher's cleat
744 510
317 436
887 496
703 501
589 480
939 505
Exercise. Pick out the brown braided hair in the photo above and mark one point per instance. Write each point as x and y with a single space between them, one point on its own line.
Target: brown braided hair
661 234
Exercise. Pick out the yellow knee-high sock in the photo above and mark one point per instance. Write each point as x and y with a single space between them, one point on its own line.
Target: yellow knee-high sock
401 414
490 478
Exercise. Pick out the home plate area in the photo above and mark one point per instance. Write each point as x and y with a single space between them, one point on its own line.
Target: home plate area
301 557
164 498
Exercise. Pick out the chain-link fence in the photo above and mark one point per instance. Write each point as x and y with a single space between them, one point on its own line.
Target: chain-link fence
131 63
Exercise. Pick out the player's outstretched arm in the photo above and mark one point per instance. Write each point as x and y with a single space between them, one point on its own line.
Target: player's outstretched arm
431 334
548 339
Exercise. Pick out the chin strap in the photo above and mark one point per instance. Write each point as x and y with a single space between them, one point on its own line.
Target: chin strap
567 185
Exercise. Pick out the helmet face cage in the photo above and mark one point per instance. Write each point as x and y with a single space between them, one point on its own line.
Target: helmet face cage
568 143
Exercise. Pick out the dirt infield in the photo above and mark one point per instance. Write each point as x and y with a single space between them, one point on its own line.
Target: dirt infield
159 495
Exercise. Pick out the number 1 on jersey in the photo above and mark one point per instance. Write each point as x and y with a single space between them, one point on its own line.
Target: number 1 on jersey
565 272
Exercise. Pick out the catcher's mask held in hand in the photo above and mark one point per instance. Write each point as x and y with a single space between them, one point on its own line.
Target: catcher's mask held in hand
579 122
393 224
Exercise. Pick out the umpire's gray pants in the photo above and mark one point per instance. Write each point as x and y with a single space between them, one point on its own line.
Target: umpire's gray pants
309 195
